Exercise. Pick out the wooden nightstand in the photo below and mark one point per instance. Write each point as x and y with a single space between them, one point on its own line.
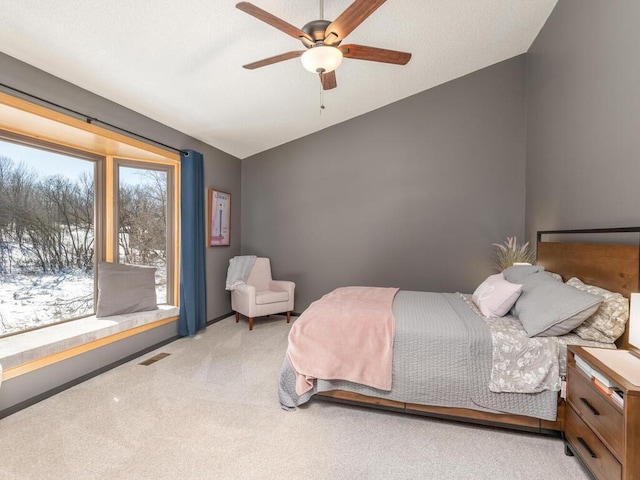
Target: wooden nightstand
602 433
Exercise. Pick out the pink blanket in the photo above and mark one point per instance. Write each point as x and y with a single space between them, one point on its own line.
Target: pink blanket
346 335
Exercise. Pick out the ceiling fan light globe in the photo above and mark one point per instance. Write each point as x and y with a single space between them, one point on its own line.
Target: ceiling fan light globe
321 59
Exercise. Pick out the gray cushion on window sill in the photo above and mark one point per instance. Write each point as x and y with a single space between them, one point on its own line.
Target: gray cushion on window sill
125 288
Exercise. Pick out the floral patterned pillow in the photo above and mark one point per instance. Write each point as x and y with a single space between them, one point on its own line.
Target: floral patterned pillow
608 323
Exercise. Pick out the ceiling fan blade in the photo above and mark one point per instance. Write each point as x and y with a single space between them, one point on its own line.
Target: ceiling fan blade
272 20
348 20
373 54
275 59
328 80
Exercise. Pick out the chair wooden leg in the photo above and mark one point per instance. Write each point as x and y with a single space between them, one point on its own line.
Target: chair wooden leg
288 317
237 317
250 323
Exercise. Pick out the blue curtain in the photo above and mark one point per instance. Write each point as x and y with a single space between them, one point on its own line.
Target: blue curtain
193 288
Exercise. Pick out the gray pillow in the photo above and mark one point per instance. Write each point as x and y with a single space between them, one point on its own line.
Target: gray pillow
517 273
532 281
125 289
551 308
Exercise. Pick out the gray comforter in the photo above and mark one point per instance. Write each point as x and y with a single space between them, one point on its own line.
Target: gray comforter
442 356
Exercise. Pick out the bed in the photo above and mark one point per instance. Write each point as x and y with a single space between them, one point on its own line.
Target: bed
456 384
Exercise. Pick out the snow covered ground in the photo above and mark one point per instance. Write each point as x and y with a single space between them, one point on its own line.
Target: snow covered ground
28 301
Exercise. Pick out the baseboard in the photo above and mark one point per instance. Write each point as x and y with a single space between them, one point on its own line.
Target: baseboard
217 319
227 315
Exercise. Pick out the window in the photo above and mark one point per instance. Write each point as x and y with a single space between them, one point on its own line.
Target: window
63 210
144 217
47 237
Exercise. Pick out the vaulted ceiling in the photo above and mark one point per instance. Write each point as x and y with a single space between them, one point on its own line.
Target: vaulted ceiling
180 61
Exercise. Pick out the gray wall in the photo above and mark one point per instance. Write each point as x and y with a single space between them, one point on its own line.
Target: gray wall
583 118
411 195
221 170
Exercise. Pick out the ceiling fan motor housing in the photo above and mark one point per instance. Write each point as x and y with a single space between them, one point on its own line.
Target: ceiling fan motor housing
315 29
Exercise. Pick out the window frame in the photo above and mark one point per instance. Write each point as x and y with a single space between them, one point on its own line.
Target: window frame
39 127
98 225
171 213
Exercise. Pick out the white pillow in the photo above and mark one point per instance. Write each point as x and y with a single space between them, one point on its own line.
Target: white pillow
495 296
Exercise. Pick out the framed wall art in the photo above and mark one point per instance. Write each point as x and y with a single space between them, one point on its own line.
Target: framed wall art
219 221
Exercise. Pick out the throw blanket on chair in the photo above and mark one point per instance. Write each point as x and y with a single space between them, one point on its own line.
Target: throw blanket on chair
239 270
348 335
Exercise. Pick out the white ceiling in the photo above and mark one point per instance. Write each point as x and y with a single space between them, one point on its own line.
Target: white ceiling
180 61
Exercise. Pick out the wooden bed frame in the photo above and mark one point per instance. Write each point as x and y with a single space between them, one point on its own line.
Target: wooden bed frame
614 267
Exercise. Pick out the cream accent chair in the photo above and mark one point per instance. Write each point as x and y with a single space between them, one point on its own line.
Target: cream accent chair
261 295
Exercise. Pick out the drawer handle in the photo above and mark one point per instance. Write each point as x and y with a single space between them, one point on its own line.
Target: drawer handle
589 406
586 447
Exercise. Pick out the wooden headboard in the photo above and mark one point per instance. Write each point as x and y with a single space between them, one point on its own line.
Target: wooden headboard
614 267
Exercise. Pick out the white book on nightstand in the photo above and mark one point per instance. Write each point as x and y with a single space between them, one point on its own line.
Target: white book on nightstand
602 379
584 366
618 396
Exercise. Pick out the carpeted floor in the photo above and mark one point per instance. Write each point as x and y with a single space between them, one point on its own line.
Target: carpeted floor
210 411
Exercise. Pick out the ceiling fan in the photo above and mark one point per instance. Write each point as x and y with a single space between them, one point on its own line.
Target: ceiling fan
322 39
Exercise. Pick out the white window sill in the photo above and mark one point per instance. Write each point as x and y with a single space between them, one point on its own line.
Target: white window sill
37 344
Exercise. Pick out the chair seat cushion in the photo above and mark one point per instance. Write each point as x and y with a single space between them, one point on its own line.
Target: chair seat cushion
265 297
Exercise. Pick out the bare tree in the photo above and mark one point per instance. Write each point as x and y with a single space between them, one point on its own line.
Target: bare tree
143 219
48 220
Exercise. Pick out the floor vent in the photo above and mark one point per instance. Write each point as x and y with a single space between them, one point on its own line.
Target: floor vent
154 359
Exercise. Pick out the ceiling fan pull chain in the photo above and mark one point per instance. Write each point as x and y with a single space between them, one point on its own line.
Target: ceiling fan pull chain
321 97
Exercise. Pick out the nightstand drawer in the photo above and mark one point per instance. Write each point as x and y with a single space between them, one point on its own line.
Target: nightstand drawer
601 415
590 449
